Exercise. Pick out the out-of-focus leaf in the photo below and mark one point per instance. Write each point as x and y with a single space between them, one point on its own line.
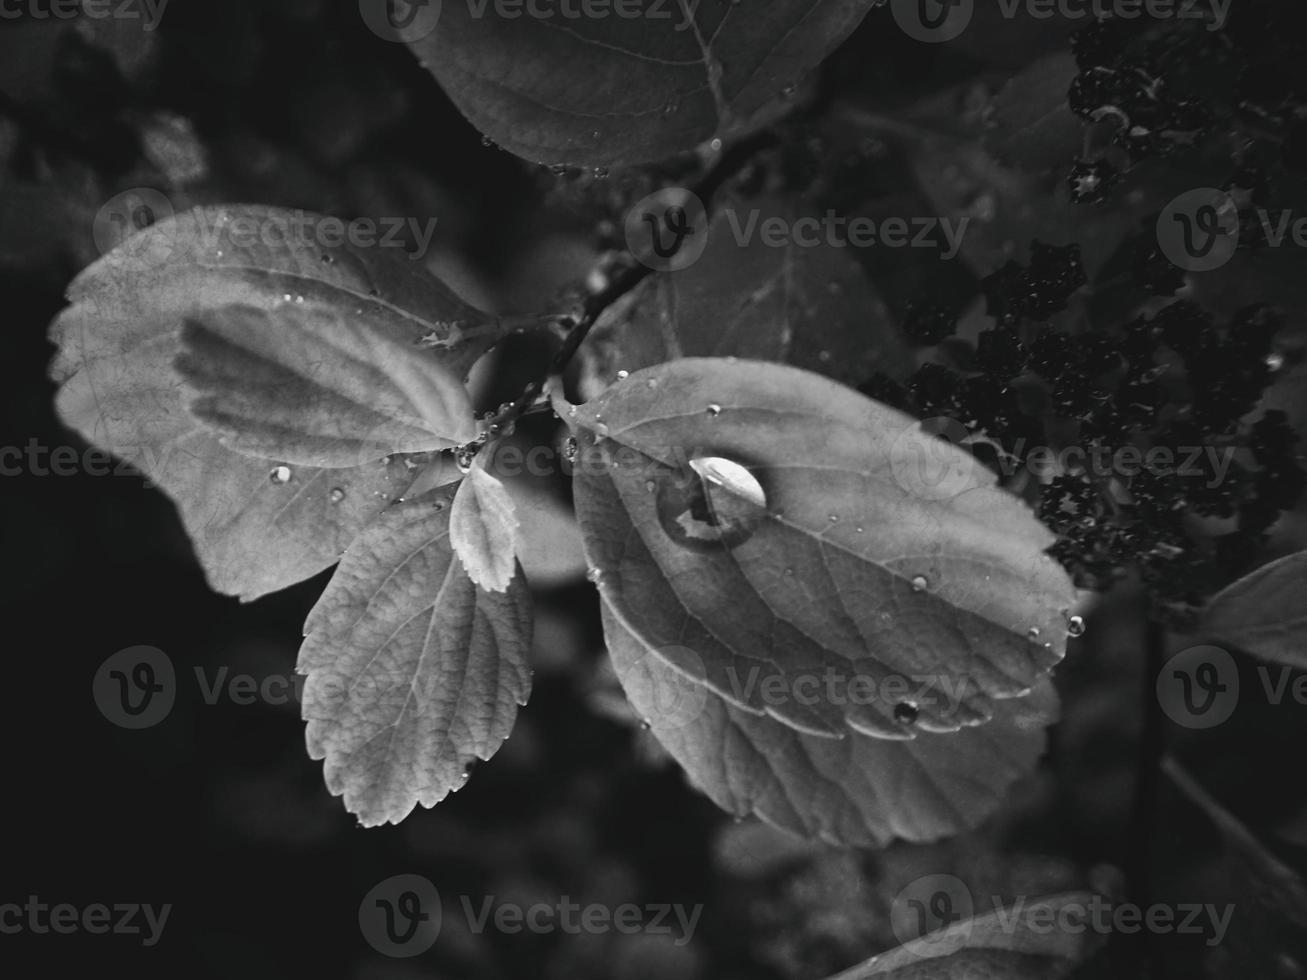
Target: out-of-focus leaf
1031 125
810 306
620 89
1264 613
1015 943
1267 935
414 672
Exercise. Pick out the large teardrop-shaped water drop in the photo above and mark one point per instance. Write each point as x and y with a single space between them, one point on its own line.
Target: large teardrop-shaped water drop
715 502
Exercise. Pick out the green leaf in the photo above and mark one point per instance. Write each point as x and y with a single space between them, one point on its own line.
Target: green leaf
857 571
1028 940
1263 613
310 385
483 530
620 90
413 671
807 306
857 791
252 532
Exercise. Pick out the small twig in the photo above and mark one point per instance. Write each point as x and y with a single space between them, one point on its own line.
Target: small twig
1152 748
729 164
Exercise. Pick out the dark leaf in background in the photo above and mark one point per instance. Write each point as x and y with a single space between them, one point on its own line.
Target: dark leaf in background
619 90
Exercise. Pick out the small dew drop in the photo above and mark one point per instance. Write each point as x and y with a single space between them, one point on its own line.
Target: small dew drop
1275 361
919 583
280 475
859 529
464 459
1075 626
716 144
623 375
1033 632
595 576
336 495
835 518
714 410
905 712
601 431
652 383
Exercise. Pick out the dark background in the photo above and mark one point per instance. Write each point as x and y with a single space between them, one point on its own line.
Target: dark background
218 810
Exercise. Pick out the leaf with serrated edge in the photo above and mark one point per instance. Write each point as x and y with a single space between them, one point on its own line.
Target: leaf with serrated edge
620 90
483 529
1263 613
118 339
308 384
413 671
847 576
1015 943
857 791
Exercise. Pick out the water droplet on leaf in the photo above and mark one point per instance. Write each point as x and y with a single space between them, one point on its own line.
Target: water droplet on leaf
336 495
716 502
280 475
905 712
919 583
1075 626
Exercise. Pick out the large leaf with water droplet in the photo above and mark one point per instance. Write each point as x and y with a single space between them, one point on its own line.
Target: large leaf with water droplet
855 791
617 89
121 334
1263 613
414 672
860 574
809 305
309 384
1032 939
